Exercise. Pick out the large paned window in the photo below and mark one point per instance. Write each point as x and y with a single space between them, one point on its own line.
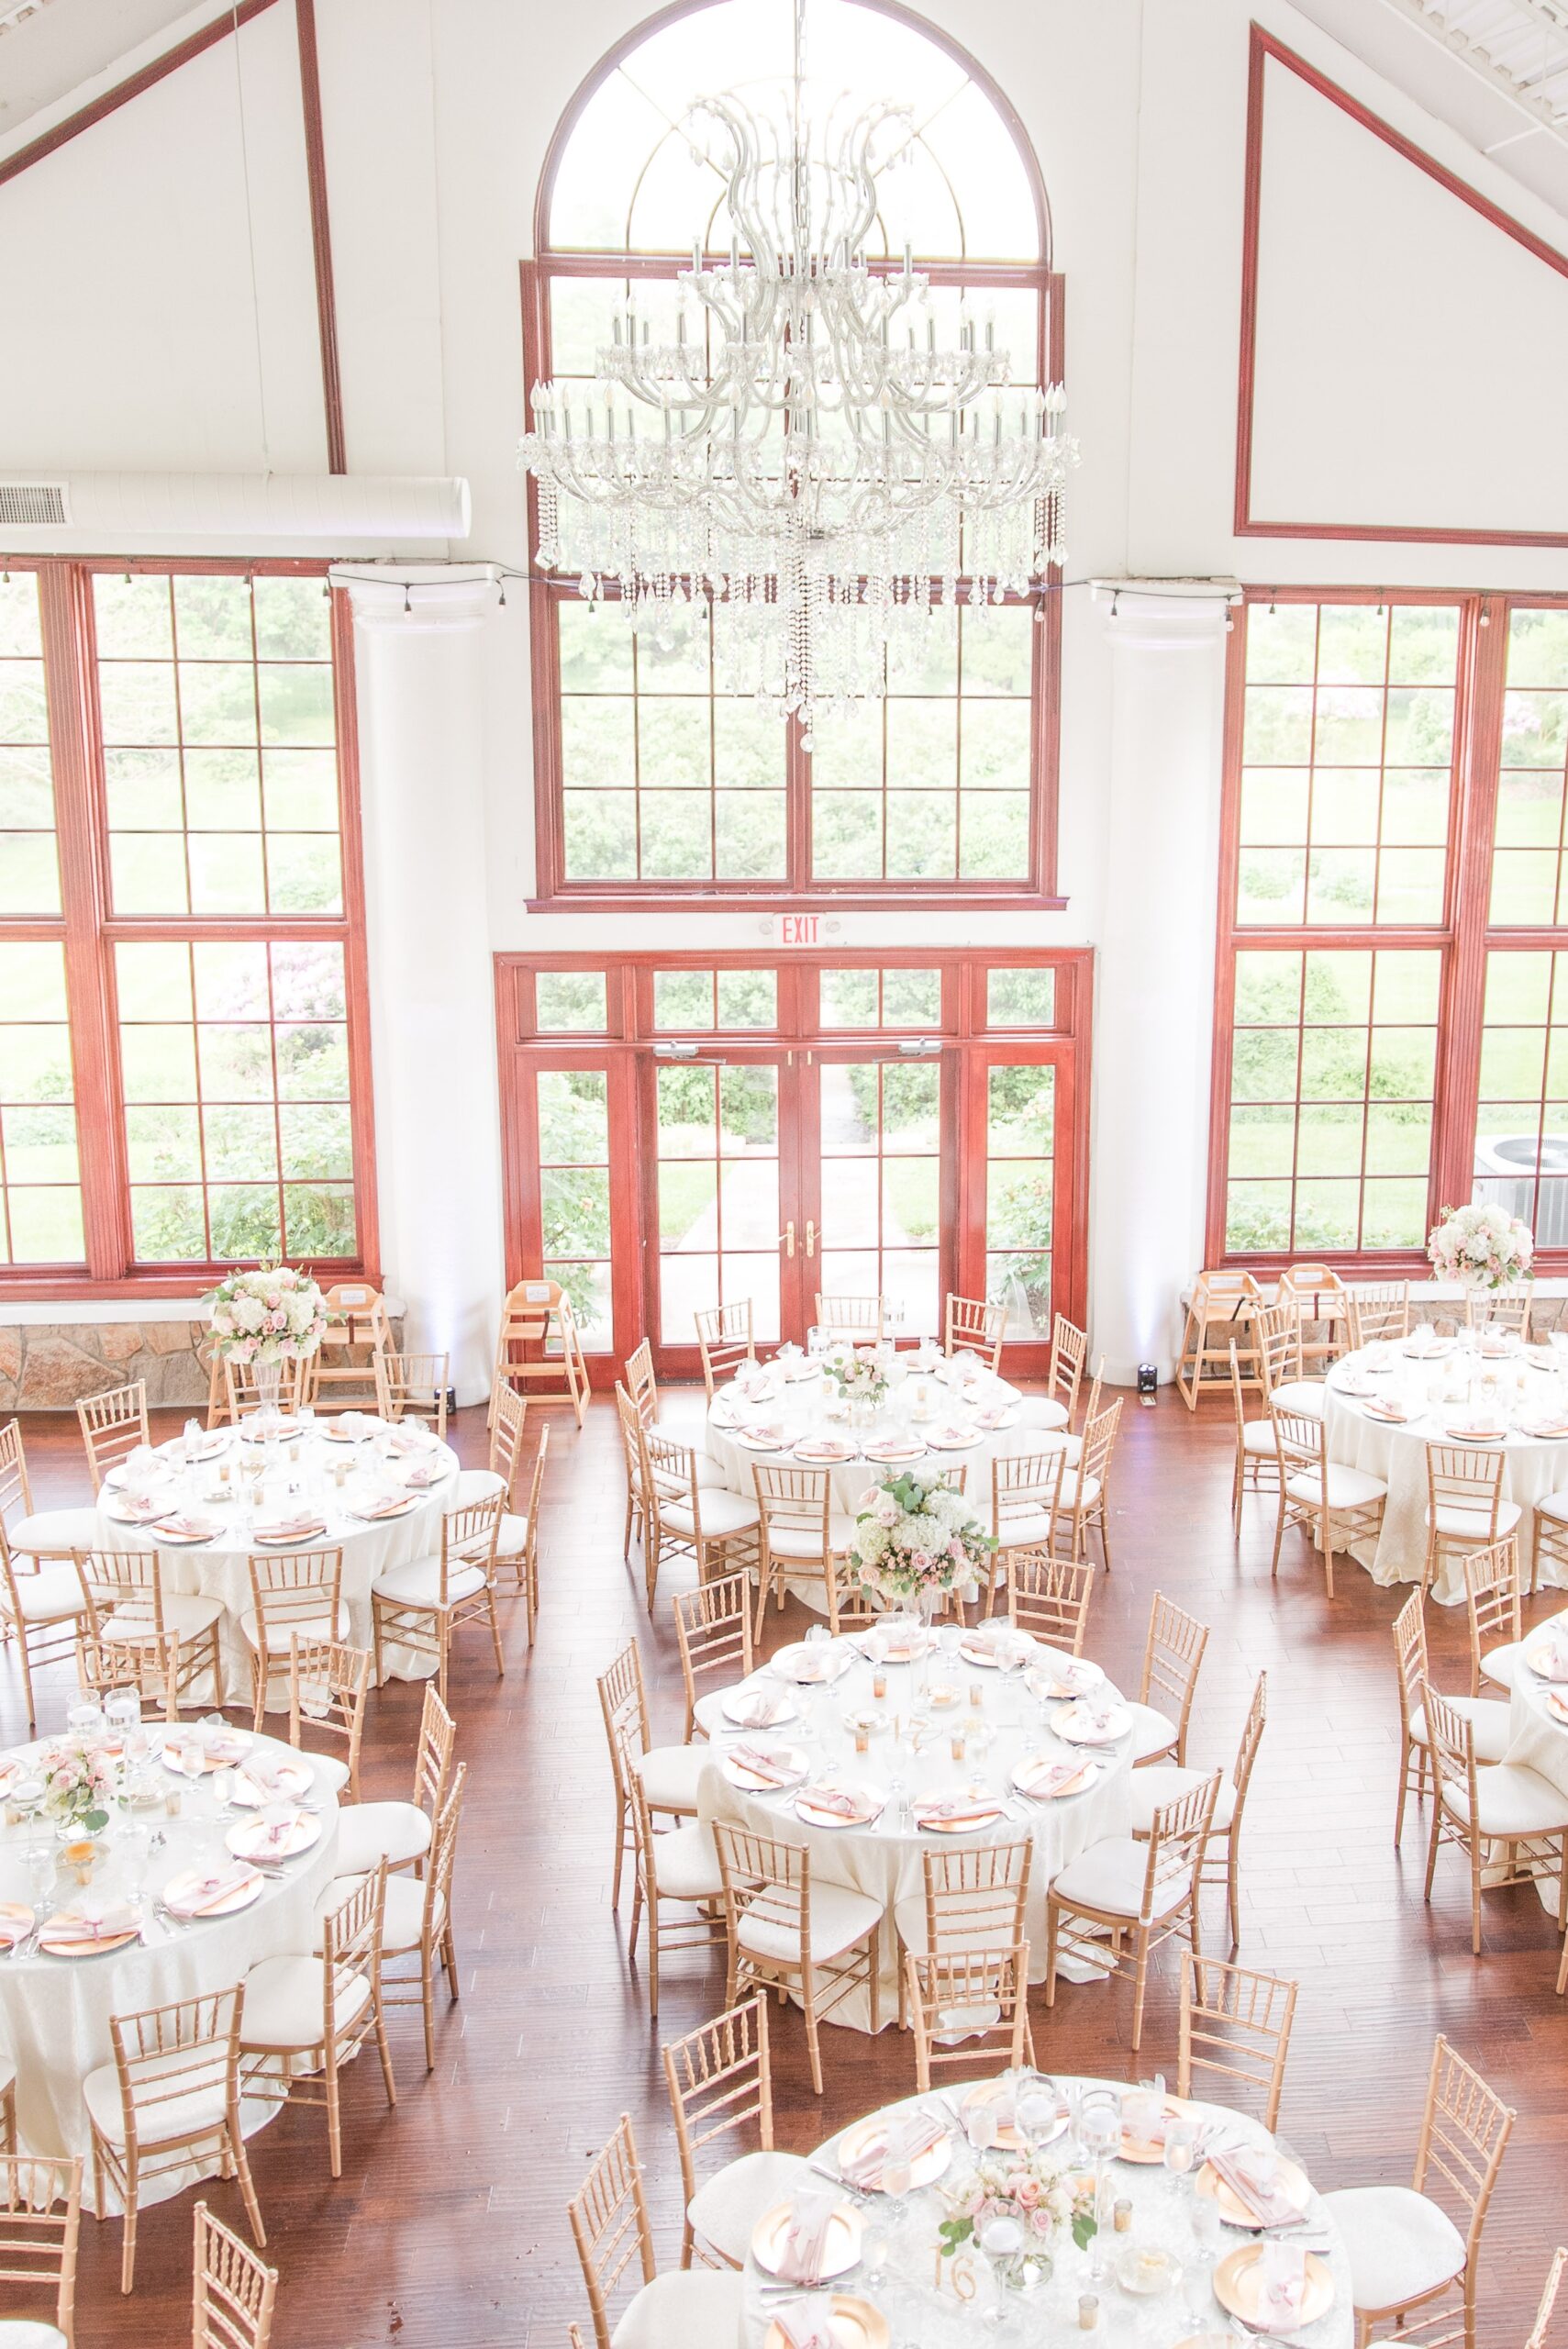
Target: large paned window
1391 896
184 1066
656 776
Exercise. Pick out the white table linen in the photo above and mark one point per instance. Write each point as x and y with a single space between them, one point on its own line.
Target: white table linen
885 1859
897 2277
54 2011
1536 1738
1526 1390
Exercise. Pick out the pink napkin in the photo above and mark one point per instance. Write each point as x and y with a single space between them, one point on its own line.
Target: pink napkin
833 1799
923 2131
141 1512
995 1415
265 1778
391 1505
94 1923
1549 1656
1266 2206
1041 1786
950 1434
1282 2284
762 1765
289 1529
277 1832
406 1445
805 2324
184 1527
213 1887
759 1711
956 1806
806 2241
1378 1409
423 1472
770 1433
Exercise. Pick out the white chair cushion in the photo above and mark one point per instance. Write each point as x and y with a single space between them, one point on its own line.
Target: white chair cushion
1110 1875
671 1776
1500 1664
1554 1504
1347 1487
1040 1411
419 1583
1029 1532
1152 1730
686 1864
404 1925
157 2123
726 2208
285 2002
1165 1782
691 2308
304 1627
1302 1395
1078 1490
51 1595
21 2333
723 1513
1490 1719
1258 1439
51 1531
840 1918
474 1484
185 1613
1475 1524
512 1539
795 1541
371 1831
1512 1800
1399 2245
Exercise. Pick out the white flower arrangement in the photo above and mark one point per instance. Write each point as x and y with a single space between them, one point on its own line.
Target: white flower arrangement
1481 1247
857 1372
273 1314
914 1534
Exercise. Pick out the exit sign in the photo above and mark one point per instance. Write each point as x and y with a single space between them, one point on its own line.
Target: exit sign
797 930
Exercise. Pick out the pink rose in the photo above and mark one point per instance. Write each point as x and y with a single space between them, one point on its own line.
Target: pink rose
1042 2223
1025 2193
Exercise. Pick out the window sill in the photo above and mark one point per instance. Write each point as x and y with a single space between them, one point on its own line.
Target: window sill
912 898
156 1297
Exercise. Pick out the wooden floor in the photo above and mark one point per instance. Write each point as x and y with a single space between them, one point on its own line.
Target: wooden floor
448 2226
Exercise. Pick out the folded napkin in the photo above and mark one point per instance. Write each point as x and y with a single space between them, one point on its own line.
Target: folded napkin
836 1800
138 1509
1266 2206
1043 1779
267 1779
16 1920
759 1709
952 1433
275 1833
763 1765
922 2131
1282 2284
1549 1656
1480 1430
805 2323
805 2244
408 1441
813 1666
1545 1427
769 1434
209 1891
1557 1707
93 1921
995 1415
389 1505
952 1809
184 1527
1380 1408
824 1447
288 1528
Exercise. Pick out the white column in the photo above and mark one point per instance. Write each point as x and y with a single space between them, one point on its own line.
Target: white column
1154 1009
431 984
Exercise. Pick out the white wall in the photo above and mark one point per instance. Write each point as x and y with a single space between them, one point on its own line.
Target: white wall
124 282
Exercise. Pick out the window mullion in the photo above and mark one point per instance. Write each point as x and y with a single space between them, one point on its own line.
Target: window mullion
1480 734
797 805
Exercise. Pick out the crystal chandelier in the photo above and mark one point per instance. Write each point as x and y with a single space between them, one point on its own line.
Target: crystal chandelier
802 456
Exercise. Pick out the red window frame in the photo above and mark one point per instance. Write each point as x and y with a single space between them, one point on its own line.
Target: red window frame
91 931
1464 937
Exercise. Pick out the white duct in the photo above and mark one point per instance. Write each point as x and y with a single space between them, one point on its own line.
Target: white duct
247 508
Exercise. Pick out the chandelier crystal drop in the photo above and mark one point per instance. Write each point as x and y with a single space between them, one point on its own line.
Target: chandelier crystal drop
803 457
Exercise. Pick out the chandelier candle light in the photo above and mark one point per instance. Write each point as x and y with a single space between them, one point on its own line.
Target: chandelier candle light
803 454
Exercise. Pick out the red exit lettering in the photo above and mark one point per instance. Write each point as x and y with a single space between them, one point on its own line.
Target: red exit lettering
797 930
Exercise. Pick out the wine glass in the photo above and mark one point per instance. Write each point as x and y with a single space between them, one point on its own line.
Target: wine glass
1099 2134
1181 2140
898 2170
1035 2107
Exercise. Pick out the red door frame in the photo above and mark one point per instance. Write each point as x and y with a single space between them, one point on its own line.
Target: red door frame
1064 1164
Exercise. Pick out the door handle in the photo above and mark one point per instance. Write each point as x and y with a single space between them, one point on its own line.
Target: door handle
811 1240
786 1238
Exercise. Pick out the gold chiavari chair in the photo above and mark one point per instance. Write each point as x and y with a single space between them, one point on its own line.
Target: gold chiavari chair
1163 1781
127 1600
329 1684
855 1320
356 1322
713 1628
243 1388
971 1326
1173 1658
1487 1717
725 1340
1139 1892
400 1833
1549 1538
1083 1506
516 1537
538 1350
822 1942
1466 1508
1335 1505
802 1537
1073 1445
293 1592
1026 1492
1504 1817
1497 1617
686 1516
972 1896
232 2292
669 1775
424 1604
1234 2024
40 2225
608 2216
641 1385
1380 1312
507 1420
112 1425
1502 1309
1054 1409
1221 1311
413 1385
170 2099
32 1535
43 1604
961 1991
1537 2331
1279 1372
1315 1299
639 1511
1404 2251
680 1865
306 2017
720 2079
1257 1451
418 1923
679 1410
1049 1597
149 1668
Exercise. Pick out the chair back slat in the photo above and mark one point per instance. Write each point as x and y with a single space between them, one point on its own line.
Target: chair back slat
1379 1312
329 1686
40 2224
234 2292
977 1893
858 1318
1049 1597
971 1325
719 2081
725 1339
112 1425
608 2215
713 1628
979 1997
1237 2024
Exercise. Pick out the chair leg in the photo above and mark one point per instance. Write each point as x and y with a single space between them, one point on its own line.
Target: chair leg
874 1950
1432 1847
495 1639
128 2252
1403 1790
1052 1921
333 2118
1475 1896
808 1992
27 1678
428 2001
1233 1892
375 1641
621 1848
247 2183
1139 1984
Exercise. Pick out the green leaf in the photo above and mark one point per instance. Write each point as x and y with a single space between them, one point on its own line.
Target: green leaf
94 1822
954 2233
1085 2229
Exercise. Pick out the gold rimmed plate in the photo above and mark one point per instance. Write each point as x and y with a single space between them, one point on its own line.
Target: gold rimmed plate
1239 2287
982 1810
1290 2180
183 1894
954 1439
1542 1656
736 1706
1033 1774
825 1451
868 1806
1082 1724
57 1939
288 1778
866 2141
16 1920
253 1838
810 1665
1149 2150
853 2323
787 1759
840 2248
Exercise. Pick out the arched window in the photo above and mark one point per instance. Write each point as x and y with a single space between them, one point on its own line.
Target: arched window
655 777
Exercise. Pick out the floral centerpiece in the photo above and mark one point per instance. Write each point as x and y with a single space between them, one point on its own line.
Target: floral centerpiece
269 1316
1028 2188
857 1372
1482 1248
77 1786
916 1537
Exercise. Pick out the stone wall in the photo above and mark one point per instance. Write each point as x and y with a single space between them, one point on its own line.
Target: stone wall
47 1366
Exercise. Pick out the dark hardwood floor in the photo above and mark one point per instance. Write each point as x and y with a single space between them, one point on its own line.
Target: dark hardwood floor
448 2226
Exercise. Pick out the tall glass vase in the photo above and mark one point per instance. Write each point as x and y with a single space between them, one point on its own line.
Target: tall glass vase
268 1386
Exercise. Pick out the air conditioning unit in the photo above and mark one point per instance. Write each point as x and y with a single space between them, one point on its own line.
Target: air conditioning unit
242 508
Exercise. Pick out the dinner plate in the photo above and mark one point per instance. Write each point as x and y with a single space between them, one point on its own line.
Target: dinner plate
1036 1768
798 1663
1009 2137
770 1438
986 1810
127 1512
292 1541
868 2137
825 1451
1538 1659
100 1947
183 1540
1290 2179
383 1513
1075 1723
179 1894
1237 2287
888 1449
871 1802
989 1653
251 1838
289 1777
796 1368
280 1430
840 2249
853 2323
789 1758
1149 2150
336 1432
734 1701
1061 1677
225 1752
207 1449
16 1918
952 1439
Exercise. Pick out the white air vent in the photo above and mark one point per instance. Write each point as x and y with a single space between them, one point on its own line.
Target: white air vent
34 505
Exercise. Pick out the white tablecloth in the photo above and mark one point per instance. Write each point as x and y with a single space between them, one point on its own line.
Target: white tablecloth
306 1472
898 2264
54 2011
1398 1454
885 1860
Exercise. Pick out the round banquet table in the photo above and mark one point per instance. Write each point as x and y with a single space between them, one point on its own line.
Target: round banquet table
55 2011
912 1749
1538 1730
333 1477
1443 1391
898 2257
